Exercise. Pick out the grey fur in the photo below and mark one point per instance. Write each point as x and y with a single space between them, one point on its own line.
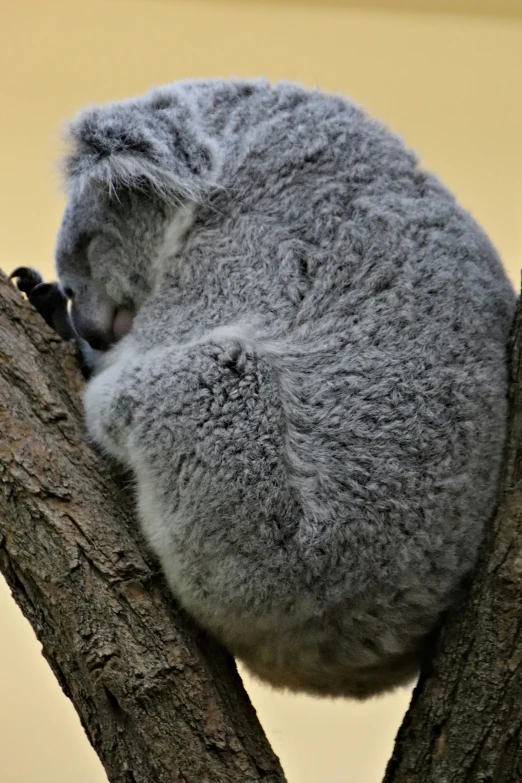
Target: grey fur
313 393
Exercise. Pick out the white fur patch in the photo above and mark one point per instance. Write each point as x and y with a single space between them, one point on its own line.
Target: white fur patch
175 231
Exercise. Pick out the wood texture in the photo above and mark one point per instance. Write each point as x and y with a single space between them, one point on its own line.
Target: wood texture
465 721
159 701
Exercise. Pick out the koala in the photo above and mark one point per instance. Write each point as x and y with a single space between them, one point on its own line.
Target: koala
300 353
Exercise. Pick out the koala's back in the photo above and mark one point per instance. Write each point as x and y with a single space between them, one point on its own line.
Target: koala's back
384 310
344 499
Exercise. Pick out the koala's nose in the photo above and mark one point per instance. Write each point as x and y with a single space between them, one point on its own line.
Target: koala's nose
98 340
92 320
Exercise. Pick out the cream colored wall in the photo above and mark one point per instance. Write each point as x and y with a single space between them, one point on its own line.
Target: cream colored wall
449 84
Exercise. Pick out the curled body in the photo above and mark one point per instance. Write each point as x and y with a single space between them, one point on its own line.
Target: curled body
303 362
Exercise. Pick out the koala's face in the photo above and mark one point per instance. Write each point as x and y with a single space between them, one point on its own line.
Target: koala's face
108 258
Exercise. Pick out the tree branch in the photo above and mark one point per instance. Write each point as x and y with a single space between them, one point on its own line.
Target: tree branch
464 724
158 699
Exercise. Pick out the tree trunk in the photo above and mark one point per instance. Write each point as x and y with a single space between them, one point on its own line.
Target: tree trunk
464 724
159 700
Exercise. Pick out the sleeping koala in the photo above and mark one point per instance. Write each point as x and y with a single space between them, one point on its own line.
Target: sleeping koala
301 344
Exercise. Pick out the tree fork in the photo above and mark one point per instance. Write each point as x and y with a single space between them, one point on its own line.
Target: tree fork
159 700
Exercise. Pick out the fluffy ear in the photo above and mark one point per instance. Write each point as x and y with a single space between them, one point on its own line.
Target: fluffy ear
143 143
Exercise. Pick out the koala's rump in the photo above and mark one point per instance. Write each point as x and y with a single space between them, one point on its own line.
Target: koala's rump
322 505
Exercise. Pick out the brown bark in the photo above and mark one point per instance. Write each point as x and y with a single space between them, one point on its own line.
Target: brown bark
159 700
464 724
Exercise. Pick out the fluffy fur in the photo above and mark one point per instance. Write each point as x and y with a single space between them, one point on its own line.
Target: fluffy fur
313 393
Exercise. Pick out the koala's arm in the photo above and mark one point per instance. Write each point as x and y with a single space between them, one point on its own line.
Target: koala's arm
136 395
201 427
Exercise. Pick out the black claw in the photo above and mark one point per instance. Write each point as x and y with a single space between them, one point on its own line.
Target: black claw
26 278
46 297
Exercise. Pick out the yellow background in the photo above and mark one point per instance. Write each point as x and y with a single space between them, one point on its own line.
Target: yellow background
449 83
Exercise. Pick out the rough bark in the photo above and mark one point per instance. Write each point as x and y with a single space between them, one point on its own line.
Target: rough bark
159 701
464 724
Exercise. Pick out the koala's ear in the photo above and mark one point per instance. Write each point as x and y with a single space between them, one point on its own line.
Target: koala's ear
142 143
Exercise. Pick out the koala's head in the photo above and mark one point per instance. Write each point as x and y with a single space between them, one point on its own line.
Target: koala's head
108 259
134 168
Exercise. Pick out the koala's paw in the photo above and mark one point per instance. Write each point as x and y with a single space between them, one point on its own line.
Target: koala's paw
109 404
46 298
